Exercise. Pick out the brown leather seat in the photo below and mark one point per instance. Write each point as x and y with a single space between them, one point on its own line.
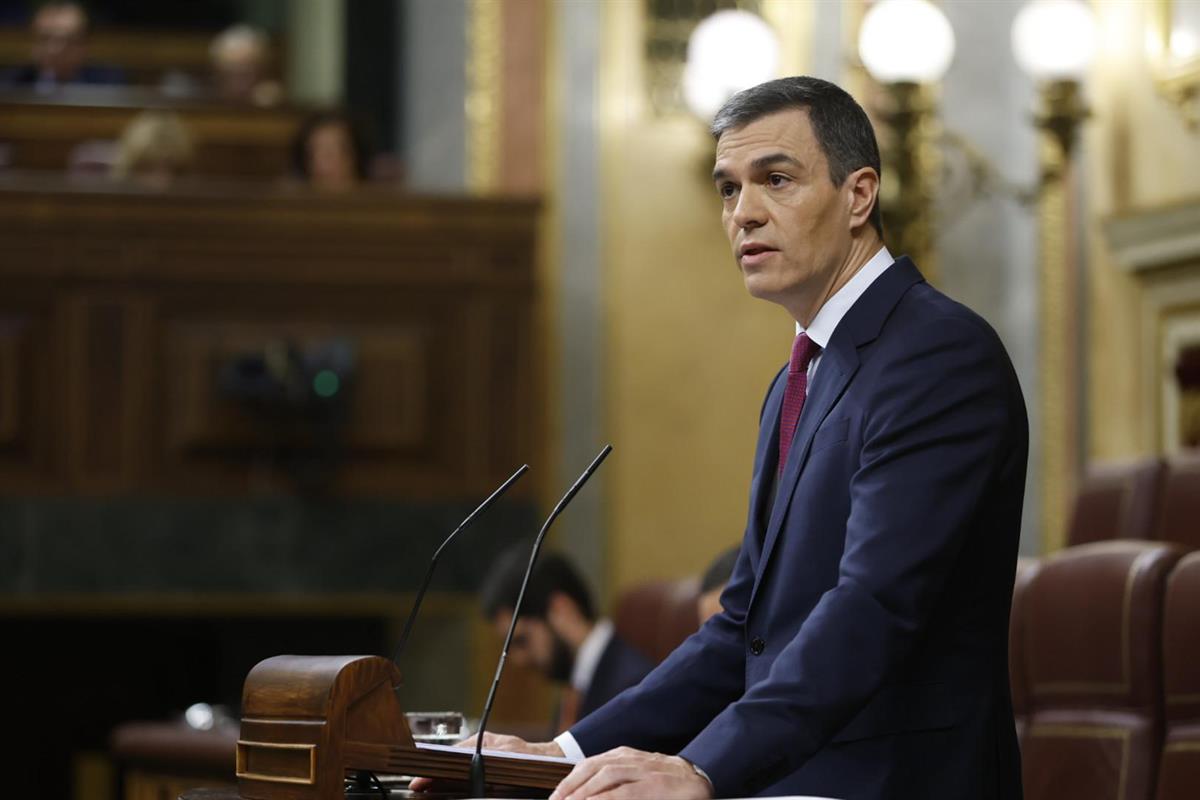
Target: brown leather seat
1018 680
1179 768
1116 501
1179 503
655 617
1092 617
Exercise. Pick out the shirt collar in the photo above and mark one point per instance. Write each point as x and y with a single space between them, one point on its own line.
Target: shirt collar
830 314
588 657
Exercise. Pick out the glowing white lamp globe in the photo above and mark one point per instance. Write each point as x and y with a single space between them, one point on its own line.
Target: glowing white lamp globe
906 41
729 51
1054 39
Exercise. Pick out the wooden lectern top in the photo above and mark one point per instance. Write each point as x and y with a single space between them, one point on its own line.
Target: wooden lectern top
309 720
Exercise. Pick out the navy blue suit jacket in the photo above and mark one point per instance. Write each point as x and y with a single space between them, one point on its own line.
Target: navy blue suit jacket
619 667
862 650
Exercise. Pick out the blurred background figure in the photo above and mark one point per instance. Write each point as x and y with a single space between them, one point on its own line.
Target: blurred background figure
332 151
558 633
154 149
59 52
239 62
713 583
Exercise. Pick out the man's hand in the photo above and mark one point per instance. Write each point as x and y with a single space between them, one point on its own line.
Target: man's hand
628 774
496 741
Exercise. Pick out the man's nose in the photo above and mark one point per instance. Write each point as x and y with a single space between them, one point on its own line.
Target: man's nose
749 211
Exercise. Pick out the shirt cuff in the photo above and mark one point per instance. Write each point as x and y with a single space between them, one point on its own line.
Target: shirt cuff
702 774
570 747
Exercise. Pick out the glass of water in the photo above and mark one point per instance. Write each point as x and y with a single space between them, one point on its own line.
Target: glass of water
437 727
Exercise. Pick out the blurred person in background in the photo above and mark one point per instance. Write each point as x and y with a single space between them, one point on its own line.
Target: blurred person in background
713 583
240 60
559 634
332 151
154 149
59 52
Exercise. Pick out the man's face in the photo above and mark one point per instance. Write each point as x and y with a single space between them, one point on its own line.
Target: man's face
536 645
787 223
58 40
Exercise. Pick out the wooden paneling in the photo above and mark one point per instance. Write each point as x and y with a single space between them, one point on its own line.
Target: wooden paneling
146 298
26 402
40 133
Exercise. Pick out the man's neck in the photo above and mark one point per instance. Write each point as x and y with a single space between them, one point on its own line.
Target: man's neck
862 248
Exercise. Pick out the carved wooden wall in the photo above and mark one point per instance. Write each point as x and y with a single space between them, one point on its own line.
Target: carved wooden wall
119 308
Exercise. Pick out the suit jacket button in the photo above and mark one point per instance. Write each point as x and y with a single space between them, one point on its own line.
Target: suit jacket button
757 645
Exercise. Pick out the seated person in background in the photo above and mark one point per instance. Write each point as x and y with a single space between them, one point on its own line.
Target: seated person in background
713 583
59 52
154 149
332 151
558 633
239 57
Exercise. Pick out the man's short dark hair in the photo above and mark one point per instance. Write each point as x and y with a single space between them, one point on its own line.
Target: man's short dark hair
719 571
842 128
552 573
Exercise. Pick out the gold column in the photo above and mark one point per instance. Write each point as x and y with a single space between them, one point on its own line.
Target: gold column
485 31
911 129
1058 438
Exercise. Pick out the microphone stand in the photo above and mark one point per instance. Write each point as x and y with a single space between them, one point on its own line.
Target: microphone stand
412 615
477 774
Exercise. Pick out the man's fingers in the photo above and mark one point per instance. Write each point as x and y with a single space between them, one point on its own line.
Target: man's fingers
605 778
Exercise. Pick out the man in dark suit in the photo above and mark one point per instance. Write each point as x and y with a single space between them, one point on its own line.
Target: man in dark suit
862 647
59 50
559 634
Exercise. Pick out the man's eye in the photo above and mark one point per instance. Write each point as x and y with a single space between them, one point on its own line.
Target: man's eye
775 179
726 190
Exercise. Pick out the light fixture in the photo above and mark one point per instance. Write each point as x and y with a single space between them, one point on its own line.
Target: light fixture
906 41
907 46
1054 40
727 52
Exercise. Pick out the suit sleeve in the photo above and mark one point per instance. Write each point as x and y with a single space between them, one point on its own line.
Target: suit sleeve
933 437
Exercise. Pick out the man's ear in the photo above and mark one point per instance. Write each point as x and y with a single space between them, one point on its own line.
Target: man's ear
862 192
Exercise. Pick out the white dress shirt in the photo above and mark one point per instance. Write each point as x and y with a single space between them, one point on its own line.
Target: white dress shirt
588 657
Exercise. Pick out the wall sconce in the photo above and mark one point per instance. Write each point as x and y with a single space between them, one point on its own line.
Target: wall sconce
907 46
1173 46
728 51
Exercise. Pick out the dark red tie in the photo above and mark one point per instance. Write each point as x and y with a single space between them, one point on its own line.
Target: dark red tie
804 350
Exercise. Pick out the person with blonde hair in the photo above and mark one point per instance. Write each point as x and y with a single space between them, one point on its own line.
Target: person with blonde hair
154 149
240 57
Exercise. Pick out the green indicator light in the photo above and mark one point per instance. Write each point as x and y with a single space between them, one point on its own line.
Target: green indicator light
326 383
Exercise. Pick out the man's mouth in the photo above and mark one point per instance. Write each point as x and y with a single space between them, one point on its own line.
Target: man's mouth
753 253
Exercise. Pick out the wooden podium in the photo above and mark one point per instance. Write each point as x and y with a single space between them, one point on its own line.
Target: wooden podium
308 720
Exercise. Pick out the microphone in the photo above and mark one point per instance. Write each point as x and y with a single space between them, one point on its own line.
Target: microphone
412 615
477 770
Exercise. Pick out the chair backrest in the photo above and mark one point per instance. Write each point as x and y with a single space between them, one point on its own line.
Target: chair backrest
655 617
1018 680
1092 619
1179 767
1178 517
1116 500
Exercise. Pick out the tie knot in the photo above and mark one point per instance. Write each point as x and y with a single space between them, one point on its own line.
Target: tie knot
804 350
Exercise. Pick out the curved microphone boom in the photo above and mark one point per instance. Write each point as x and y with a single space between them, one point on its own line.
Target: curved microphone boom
477 771
412 615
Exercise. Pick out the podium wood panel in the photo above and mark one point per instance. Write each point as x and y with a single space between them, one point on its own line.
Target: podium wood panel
120 308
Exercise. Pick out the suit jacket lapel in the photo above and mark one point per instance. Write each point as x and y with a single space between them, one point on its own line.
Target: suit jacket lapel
767 455
838 364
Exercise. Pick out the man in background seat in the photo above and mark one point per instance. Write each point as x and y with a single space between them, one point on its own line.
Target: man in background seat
558 633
